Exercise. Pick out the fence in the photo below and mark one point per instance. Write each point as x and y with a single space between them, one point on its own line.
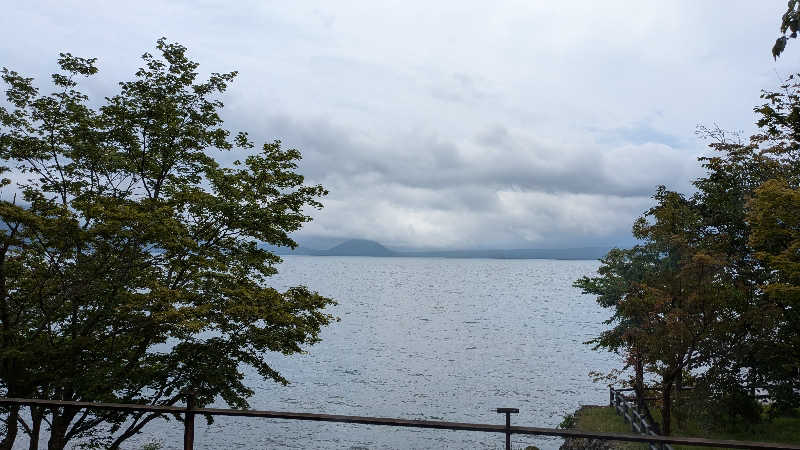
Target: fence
190 411
632 415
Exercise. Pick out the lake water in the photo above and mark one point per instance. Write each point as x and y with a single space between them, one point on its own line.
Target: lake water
426 338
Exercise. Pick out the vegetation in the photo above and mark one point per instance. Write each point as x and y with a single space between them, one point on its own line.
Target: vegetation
790 23
711 294
600 419
131 268
605 419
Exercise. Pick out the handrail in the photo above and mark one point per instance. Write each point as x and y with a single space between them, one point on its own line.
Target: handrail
389 421
632 415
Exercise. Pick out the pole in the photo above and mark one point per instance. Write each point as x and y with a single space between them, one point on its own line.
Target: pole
188 423
507 412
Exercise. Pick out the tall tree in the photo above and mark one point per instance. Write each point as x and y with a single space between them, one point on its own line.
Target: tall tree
775 218
620 279
771 216
684 295
132 264
733 171
717 290
666 293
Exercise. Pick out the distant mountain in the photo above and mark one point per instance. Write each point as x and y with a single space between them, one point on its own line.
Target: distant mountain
357 247
364 247
560 253
288 251
352 247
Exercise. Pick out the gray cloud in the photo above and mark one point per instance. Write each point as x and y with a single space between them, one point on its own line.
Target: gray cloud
493 157
453 124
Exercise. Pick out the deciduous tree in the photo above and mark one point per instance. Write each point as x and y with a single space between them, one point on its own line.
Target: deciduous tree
132 265
667 294
717 290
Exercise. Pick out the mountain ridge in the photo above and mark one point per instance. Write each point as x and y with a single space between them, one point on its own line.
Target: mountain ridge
366 247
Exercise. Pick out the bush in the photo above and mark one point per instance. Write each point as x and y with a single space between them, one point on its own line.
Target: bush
568 422
719 405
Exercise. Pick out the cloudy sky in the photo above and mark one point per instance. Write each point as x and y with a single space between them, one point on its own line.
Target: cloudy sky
507 124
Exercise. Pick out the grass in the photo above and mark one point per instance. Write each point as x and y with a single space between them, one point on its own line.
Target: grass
784 430
605 419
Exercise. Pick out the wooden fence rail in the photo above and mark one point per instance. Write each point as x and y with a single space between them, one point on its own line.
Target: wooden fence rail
189 411
631 414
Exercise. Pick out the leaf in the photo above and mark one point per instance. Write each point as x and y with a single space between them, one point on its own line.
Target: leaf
780 45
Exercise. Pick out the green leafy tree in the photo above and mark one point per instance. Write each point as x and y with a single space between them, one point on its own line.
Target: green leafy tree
733 212
131 264
666 293
683 299
775 218
710 292
620 279
771 218
732 172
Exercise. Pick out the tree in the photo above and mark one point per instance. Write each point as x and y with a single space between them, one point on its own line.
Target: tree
775 218
772 218
132 268
732 173
620 278
739 201
666 293
684 298
712 290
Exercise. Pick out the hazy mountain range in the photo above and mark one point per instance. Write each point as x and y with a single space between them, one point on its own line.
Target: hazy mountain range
364 247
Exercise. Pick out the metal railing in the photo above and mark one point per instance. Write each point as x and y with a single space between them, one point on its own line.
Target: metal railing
190 411
632 415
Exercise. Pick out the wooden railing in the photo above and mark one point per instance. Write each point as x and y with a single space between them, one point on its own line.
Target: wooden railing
632 415
189 412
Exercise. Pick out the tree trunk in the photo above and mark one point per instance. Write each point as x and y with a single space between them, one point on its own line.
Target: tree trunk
638 384
58 429
666 410
37 414
678 411
639 389
11 429
58 436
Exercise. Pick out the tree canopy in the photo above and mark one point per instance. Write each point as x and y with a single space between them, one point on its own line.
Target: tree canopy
132 260
712 292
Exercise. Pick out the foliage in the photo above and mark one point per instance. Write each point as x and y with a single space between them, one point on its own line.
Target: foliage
602 419
665 293
131 268
152 446
568 422
785 429
775 218
620 278
790 22
772 214
711 292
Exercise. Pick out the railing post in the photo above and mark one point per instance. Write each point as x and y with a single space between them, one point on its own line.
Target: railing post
507 412
188 423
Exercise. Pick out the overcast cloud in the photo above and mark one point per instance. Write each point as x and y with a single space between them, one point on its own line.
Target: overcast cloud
461 124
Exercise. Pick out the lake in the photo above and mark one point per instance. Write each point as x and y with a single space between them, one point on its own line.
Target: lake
426 338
